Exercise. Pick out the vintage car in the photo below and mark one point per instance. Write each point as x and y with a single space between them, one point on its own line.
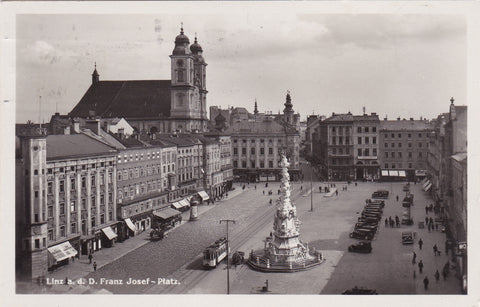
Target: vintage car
375 216
375 202
369 226
363 234
356 290
407 237
406 187
380 194
368 220
373 210
361 247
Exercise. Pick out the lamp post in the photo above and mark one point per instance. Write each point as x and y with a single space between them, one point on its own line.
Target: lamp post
311 186
228 252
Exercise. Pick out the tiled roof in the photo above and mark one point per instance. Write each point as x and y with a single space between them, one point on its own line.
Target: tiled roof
340 117
180 140
129 99
104 137
75 145
404 125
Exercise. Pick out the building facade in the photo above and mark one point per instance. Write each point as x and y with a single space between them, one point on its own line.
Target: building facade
404 145
366 146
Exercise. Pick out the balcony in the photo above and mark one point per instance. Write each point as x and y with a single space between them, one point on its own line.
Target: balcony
367 157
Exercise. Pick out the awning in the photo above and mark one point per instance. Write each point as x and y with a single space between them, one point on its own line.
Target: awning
424 180
428 187
426 184
177 205
385 173
130 225
108 231
393 173
203 195
184 203
62 251
166 213
402 174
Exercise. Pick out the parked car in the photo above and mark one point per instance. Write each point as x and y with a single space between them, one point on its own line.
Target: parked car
366 226
373 210
361 247
375 202
407 237
363 234
380 194
368 220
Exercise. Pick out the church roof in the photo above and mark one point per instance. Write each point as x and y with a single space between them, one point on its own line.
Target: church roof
128 99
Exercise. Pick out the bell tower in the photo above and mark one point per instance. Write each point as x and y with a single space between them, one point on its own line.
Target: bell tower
183 91
200 73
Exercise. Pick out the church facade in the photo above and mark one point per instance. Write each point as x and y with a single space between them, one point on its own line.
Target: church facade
176 105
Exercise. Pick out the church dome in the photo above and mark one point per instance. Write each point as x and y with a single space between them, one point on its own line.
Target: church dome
181 43
195 47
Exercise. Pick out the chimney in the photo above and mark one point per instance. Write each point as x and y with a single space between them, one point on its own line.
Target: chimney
94 125
76 126
398 118
411 118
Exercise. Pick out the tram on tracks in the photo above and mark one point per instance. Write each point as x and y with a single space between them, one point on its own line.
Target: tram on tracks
215 253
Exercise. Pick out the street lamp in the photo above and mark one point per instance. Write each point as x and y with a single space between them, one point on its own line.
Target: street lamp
228 251
311 186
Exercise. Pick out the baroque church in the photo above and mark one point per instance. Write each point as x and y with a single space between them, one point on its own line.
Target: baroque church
176 105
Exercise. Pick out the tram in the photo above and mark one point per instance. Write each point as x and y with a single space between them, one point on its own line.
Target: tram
215 253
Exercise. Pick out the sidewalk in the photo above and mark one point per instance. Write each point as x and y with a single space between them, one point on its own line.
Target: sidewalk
80 268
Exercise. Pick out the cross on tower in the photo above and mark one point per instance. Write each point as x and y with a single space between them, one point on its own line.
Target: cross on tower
452 100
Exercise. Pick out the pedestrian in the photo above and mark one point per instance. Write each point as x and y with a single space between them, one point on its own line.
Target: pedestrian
90 257
414 274
436 226
435 249
346 188
437 275
397 197
336 192
444 274
431 221
270 201
301 187
386 222
426 210
414 259
426 221
263 192
66 280
255 187
355 183
420 266
392 223
73 259
429 227
425 283
397 221
420 243
94 266
271 234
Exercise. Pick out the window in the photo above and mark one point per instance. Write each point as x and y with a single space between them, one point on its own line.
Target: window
410 154
84 182
50 234
62 209
409 165
262 151
392 145
409 135
419 135
270 151
120 176
244 151
334 140
366 152
399 154
340 151
359 140
359 152
262 164
37 243
73 206
420 145
374 140
35 172
393 135
36 194
93 200
252 164
93 221
93 180
409 144
244 164
50 171
393 154
84 204
270 164
386 145
340 140
73 228
359 129
333 129
367 129
252 150
399 145
393 165
374 129
367 140
72 184
420 154
102 199
62 231
386 165
347 140
235 151
102 218
374 151
62 186
334 151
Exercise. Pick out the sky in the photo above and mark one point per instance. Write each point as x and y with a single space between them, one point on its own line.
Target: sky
397 65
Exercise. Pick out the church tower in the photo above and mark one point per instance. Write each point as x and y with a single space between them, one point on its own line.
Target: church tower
184 95
200 73
288 113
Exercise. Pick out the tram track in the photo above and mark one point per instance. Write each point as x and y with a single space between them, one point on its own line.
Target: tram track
189 278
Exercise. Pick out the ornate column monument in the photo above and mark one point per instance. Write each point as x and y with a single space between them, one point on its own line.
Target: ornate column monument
284 252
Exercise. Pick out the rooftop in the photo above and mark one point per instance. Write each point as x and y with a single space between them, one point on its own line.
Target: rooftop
405 124
75 145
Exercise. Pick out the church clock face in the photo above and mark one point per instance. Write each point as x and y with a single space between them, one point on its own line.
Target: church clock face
180 63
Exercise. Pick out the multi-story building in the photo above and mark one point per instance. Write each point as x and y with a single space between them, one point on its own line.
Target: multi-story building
404 145
257 146
365 146
66 199
226 166
436 159
211 169
142 182
336 147
154 106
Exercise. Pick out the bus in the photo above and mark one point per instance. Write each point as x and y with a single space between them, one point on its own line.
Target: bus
215 253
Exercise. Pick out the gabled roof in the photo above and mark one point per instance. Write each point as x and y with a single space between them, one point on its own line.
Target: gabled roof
129 99
103 137
75 146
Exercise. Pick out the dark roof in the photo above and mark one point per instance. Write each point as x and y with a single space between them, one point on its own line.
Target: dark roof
264 127
340 117
75 145
129 142
181 140
366 117
129 99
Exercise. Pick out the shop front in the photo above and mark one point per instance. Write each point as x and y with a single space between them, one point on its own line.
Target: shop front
203 195
166 217
109 236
